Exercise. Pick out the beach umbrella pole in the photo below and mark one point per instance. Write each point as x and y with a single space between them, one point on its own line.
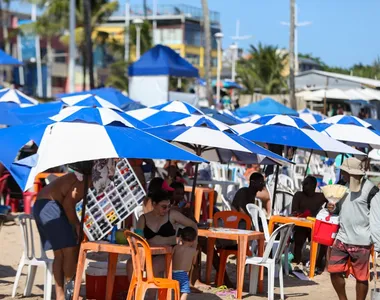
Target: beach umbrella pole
308 163
275 185
86 175
198 152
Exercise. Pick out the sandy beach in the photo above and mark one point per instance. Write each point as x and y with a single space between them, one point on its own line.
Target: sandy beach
11 250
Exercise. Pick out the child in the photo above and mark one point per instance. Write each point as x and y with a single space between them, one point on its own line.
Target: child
184 255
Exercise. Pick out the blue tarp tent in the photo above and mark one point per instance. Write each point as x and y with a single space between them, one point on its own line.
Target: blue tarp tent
162 60
264 107
6 59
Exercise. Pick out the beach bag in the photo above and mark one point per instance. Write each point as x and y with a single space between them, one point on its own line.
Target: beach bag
375 292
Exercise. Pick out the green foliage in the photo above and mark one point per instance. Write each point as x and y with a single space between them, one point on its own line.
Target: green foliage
117 77
145 37
263 69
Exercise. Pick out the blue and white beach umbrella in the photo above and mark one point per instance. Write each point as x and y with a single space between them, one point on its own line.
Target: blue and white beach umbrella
294 132
62 140
9 95
311 116
214 141
350 130
88 100
165 114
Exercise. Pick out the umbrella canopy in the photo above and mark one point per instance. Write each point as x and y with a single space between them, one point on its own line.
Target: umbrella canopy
72 140
6 59
162 60
213 140
165 114
311 116
222 116
264 107
88 100
374 123
112 95
351 130
319 95
25 115
15 96
294 132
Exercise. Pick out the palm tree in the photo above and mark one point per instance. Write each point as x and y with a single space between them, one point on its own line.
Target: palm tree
207 66
263 69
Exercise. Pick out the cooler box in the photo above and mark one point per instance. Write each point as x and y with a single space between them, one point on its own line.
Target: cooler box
325 228
96 281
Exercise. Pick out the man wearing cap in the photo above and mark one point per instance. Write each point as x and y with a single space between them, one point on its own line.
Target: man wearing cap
359 214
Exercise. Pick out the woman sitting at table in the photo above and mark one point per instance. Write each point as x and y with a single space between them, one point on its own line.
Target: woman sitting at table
158 228
156 185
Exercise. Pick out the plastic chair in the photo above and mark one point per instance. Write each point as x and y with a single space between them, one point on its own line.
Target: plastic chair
226 204
29 258
257 214
270 263
230 219
138 212
141 255
3 186
286 181
283 203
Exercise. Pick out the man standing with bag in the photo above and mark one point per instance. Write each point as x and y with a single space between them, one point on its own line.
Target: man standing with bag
359 214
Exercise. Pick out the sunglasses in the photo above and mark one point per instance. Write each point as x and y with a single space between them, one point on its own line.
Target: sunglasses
165 207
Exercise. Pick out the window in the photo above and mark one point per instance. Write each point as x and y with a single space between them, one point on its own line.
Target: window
193 59
168 36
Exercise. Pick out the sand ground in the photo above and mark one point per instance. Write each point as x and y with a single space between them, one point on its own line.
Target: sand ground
11 249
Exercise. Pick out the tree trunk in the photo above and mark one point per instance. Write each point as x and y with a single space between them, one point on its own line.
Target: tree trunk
88 41
292 87
84 67
49 63
207 52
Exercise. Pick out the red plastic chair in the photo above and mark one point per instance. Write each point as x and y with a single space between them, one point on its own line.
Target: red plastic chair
230 219
28 198
141 255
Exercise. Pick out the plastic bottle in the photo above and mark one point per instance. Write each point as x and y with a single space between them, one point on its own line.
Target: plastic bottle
113 235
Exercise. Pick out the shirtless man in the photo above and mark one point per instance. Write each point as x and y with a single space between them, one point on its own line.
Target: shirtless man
58 225
184 256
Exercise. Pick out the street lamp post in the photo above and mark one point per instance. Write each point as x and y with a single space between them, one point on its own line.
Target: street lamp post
218 37
72 50
138 23
234 49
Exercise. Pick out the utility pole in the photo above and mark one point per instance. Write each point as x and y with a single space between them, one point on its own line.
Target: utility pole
292 86
207 52
38 54
72 50
126 33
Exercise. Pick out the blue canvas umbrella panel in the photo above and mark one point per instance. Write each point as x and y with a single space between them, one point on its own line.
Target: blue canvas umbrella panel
165 114
213 140
88 100
351 130
294 132
310 116
68 141
6 59
9 95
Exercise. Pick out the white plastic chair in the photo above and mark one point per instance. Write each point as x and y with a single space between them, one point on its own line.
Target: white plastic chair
286 181
283 203
3 218
225 202
138 212
29 258
270 263
257 213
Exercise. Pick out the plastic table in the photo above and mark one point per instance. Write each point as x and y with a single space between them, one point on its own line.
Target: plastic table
302 222
241 237
113 251
199 191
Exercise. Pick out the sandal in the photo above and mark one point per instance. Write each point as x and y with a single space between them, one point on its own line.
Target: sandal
229 292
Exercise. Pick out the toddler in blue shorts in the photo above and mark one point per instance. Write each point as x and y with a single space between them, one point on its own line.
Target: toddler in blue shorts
184 255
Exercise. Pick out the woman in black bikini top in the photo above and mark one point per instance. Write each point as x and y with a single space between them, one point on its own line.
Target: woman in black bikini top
159 224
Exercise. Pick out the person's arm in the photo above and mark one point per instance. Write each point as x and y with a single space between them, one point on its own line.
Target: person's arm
182 220
296 202
374 221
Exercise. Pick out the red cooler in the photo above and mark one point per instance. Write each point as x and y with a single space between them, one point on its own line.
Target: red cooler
325 228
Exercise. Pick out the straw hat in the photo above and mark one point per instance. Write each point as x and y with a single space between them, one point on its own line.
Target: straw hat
355 168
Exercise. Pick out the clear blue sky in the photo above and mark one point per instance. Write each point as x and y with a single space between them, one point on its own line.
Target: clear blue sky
343 32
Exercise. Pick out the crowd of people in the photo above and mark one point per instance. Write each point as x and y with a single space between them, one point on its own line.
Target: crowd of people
168 219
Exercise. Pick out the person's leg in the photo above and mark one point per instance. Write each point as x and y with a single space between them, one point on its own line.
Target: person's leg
361 289
184 296
339 285
360 265
337 265
320 263
300 236
70 260
58 274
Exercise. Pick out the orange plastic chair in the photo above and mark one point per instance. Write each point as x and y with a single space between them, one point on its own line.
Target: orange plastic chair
230 219
141 255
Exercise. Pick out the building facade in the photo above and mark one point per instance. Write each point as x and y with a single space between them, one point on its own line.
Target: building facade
178 26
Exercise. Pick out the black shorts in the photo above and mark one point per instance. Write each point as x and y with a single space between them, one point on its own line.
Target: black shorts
55 230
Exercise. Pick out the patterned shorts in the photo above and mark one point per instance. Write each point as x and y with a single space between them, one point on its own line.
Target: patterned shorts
341 253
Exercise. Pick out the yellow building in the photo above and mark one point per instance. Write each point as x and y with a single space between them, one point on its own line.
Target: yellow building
178 26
